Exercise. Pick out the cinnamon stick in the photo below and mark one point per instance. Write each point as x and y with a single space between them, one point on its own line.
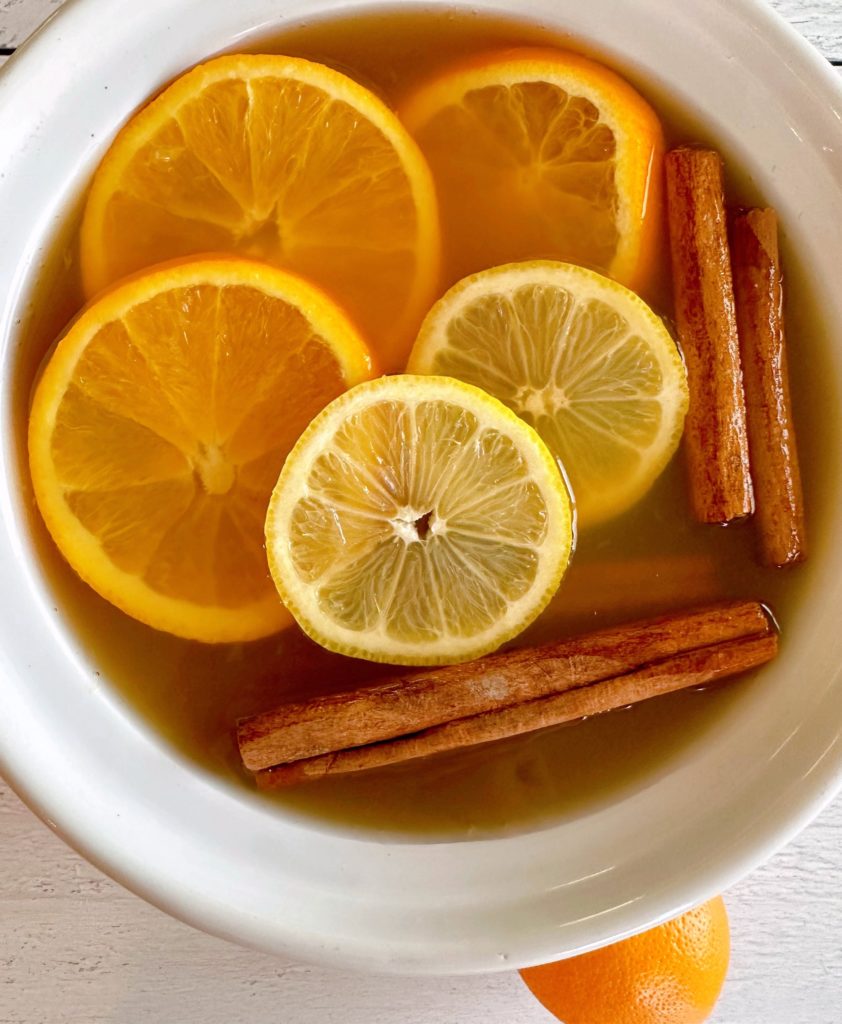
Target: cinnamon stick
774 456
408 703
691 668
716 439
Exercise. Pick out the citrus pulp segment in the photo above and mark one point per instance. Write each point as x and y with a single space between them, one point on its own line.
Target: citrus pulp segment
281 159
418 521
542 153
159 426
581 358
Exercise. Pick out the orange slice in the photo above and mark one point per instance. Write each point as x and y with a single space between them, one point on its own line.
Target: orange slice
281 159
541 153
159 427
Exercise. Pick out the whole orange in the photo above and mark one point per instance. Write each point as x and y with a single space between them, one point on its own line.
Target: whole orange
672 974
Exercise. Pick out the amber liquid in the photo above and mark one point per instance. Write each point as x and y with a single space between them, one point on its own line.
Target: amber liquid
651 559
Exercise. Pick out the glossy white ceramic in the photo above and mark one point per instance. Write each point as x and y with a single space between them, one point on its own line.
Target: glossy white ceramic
220 859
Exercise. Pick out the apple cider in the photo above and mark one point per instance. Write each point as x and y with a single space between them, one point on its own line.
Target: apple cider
650 559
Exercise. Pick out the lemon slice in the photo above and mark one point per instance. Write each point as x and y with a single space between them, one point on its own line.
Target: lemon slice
581 358
160 424
418 521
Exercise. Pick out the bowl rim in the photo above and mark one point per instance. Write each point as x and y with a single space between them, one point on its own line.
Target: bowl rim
766 835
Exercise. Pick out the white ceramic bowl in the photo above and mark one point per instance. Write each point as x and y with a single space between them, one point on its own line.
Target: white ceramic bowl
219 859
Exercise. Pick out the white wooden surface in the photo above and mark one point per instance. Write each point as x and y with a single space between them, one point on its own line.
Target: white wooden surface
75 948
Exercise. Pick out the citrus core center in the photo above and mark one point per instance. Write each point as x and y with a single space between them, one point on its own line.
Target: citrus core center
214 470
